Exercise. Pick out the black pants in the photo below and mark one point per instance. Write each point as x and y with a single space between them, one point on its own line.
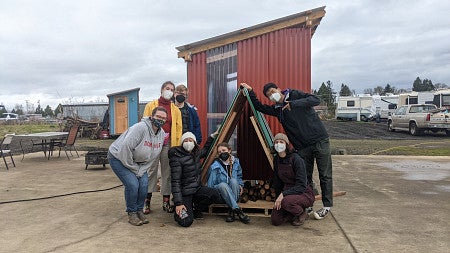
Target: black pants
200 200
322 154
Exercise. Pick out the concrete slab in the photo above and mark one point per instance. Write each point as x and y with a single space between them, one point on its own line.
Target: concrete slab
392 204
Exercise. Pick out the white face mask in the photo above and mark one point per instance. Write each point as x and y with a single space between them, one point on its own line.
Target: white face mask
167 94
188 145
275 97
280 147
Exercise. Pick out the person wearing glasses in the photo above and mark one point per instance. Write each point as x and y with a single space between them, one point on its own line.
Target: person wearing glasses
131 155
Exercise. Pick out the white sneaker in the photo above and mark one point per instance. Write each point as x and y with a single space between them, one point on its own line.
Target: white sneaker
321 213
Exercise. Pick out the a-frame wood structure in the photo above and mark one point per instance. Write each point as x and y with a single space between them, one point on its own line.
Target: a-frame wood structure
229 124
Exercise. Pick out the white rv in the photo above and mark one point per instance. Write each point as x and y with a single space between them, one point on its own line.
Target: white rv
357 108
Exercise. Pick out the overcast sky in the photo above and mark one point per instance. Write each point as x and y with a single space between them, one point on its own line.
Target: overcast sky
78 51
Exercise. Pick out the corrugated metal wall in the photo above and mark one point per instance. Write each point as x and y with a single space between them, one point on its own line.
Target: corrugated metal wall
282 57
198 88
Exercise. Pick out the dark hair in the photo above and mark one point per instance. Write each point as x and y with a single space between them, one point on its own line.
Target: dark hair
158 108
224 144
268 86
167 83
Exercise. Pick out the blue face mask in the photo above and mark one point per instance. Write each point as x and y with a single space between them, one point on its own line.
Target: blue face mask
157 122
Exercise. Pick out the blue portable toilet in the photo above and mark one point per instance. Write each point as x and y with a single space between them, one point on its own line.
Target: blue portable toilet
123 110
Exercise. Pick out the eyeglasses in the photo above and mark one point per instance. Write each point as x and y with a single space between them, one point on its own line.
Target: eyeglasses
160 117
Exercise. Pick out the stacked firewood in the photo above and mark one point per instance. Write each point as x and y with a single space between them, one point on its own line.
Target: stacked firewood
257 190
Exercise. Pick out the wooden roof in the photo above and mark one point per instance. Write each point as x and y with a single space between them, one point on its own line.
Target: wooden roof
310 18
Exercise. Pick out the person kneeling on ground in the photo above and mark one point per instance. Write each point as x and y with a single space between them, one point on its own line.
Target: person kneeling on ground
290 184
189 196
225 174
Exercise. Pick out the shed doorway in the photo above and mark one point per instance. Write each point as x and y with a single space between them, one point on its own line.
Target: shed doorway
121 113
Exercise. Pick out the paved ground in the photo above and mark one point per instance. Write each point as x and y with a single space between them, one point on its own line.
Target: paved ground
393 204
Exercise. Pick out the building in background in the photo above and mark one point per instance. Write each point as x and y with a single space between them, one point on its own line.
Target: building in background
123 110
277 51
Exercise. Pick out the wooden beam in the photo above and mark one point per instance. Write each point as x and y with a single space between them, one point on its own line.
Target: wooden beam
261 140
244 34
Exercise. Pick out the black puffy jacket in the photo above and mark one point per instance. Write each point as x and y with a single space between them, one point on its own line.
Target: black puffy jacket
186 170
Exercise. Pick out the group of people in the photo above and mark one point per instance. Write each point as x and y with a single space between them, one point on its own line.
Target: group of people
168 138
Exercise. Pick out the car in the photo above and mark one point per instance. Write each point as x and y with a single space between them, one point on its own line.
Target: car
9 117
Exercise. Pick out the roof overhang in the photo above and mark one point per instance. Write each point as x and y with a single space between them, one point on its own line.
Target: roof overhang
306 19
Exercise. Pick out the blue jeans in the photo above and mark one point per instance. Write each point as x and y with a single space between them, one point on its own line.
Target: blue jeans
229 192
135 187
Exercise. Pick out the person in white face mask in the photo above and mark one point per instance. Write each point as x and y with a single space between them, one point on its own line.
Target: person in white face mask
173 128
295 111
290 182
189 195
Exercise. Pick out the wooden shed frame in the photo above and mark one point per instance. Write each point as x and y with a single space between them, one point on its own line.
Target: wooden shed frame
277 51
310 18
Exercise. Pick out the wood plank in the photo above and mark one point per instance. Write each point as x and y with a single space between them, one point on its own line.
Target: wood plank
262 204
335 194
245 34
261 140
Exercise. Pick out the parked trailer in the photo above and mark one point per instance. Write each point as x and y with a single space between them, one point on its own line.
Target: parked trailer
359 108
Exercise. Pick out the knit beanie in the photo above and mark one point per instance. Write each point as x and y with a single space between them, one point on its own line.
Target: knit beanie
281 136
188 135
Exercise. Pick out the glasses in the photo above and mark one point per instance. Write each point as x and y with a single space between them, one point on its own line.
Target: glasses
160 117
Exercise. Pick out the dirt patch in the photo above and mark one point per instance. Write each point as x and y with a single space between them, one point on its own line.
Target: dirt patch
351 130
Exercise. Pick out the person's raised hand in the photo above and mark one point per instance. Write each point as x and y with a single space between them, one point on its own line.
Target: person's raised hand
248 87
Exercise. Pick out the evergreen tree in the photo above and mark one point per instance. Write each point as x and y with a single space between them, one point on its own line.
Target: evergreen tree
327 96
417 85
58 110
345 91
39 109
48 111
428 85
388 89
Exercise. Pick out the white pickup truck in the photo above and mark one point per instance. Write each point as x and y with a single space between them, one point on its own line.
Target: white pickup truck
419 117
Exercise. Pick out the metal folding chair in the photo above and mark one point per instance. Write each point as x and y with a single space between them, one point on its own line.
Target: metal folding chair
5 149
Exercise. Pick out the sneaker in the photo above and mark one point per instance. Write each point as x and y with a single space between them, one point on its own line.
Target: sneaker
321 213
230 215
142 217
167 207
198 214
242 216
147 206
133 219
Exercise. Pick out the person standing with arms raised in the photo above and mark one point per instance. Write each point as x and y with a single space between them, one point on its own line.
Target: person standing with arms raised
295 111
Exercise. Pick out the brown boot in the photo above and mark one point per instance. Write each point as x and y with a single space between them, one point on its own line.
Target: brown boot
299 220
142 217
133 219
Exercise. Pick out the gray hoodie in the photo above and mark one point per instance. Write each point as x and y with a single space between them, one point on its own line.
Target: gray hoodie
138 147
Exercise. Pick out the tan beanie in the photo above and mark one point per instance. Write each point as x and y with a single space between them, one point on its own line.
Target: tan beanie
281 136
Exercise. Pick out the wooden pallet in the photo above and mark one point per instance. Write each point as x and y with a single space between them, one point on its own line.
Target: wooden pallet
259 208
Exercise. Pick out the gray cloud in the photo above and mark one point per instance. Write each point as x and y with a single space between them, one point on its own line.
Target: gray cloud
59 51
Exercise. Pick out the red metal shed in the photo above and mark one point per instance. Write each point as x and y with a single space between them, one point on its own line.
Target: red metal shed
277 51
